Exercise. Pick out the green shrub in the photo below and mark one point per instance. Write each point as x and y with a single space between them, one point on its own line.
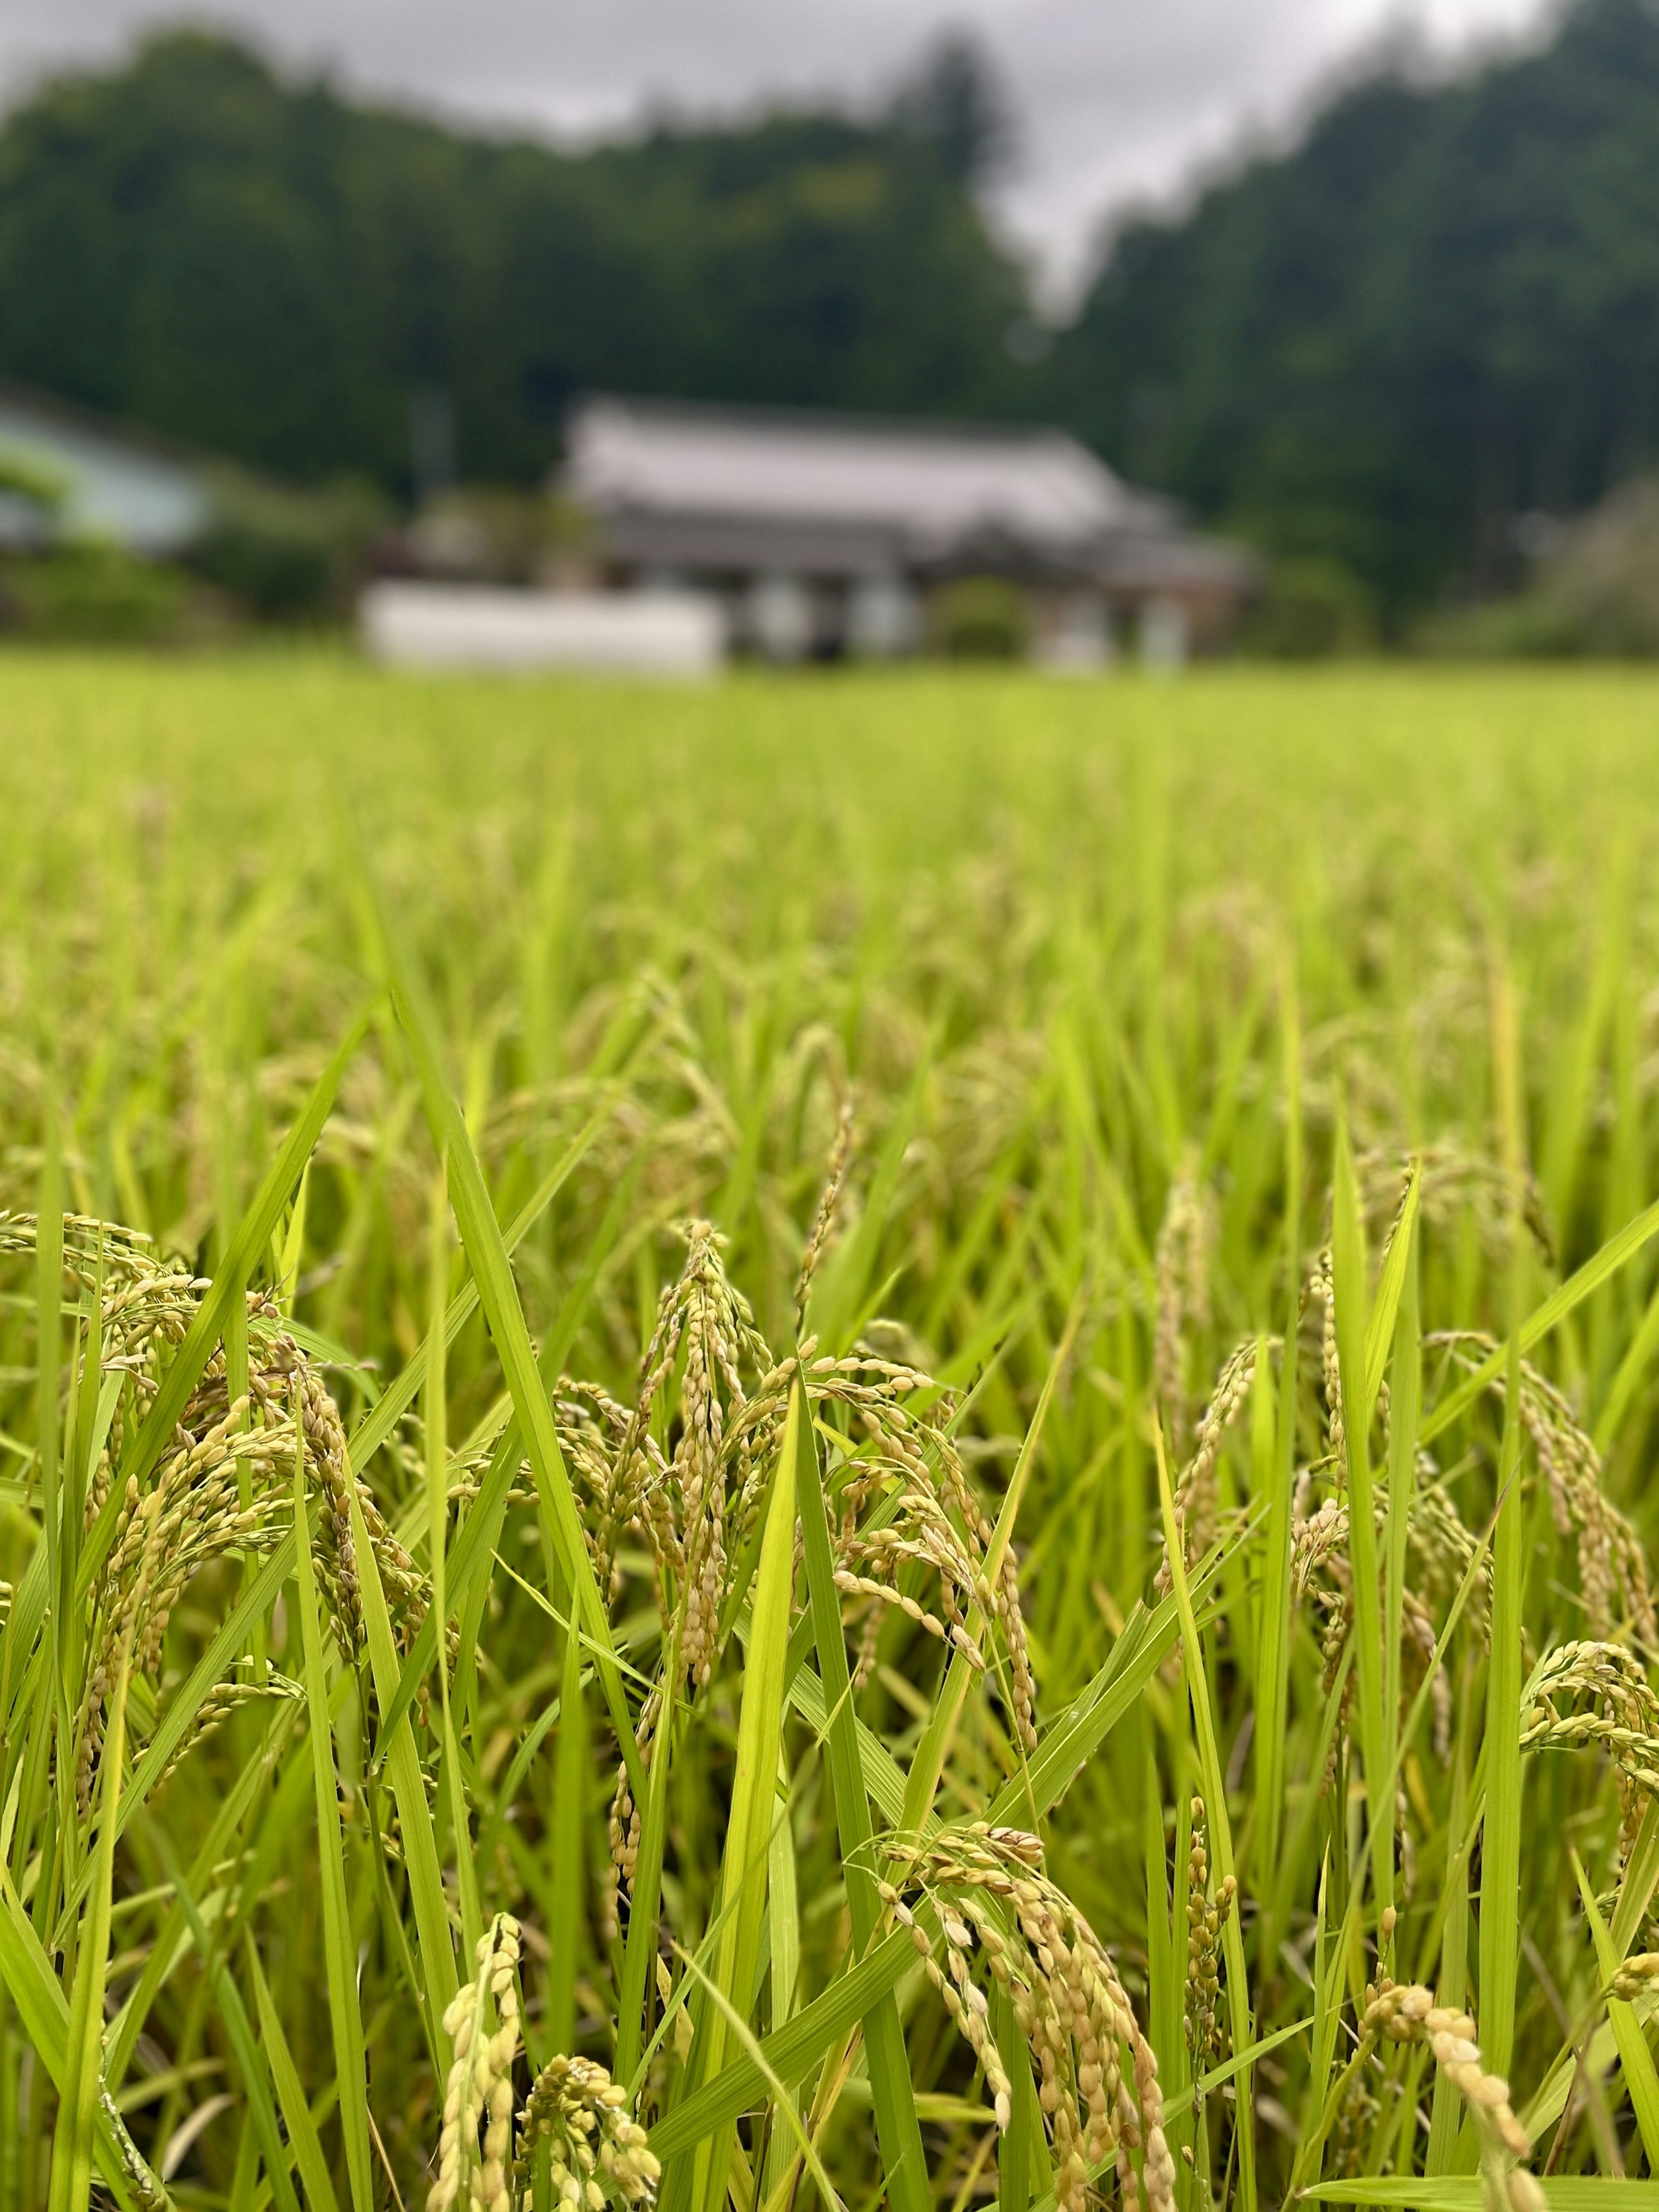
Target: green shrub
93 593
979 618
491 534
24 475
1595 593
1603 578
1530 626
1313 607
288 556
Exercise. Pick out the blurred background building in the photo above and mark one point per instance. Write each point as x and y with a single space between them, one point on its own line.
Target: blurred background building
1387 375
831 536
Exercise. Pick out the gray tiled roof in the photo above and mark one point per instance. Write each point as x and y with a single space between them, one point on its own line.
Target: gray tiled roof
116 483
841 492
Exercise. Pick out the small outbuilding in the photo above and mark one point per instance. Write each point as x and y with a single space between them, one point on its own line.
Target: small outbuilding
830 535
64 472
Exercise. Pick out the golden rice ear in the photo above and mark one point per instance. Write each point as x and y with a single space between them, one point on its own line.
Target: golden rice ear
575 2108
1205 2033
992 1902
841 1153
1411 2014
474 2146
222 1486
1198 1491
1612 1571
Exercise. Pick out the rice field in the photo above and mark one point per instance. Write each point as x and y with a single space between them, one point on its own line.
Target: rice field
855 1439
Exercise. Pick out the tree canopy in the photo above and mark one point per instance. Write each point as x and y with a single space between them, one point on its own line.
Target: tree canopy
279 275
1439 312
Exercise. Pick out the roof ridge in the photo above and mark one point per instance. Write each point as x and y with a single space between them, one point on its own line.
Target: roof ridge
827 422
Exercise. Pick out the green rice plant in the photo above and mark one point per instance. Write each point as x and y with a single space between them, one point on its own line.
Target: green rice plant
872 1439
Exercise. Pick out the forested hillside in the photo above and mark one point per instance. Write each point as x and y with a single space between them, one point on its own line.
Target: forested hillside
1440 311
272 272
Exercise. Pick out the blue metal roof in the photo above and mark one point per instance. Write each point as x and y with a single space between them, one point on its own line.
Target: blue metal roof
116 485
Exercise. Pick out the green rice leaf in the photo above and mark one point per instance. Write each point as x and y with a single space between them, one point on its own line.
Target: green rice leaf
903 2161
1215 1801
570 1778
1348 1286
1602 1267
922 1782
749 1826
1562 2193
252 1236
44 2013
498 1294
339 1950
1500 1848
790 2051
395 1401
83 2056
290 2093
233 2013
1634 2056
434 1933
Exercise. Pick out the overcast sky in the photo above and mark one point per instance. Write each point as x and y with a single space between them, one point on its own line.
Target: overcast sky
1116 100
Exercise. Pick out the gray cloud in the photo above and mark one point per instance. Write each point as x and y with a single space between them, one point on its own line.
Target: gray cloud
1116 99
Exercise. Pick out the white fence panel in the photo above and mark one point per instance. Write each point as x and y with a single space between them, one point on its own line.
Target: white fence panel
473 625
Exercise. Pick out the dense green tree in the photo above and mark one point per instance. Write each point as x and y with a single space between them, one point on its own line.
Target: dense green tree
956 99
277 274
1439 312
